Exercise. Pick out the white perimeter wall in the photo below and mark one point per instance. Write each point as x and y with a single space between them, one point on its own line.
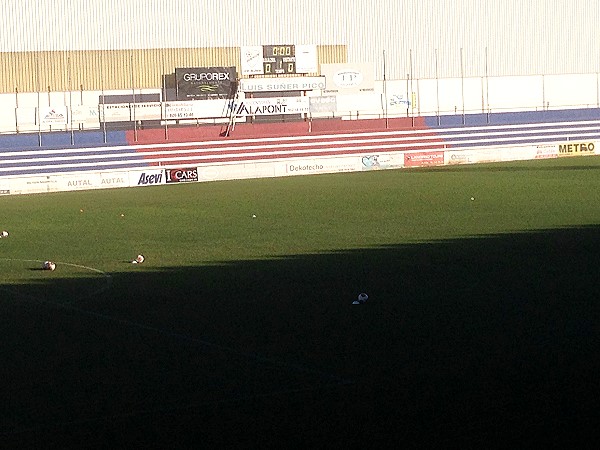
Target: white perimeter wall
293 166
392 98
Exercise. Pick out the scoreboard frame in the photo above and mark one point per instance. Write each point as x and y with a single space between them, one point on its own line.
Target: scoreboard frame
279 59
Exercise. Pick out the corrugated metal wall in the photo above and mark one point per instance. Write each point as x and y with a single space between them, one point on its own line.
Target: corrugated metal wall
419 38
59 71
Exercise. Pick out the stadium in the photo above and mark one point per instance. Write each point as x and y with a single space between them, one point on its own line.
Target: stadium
313 223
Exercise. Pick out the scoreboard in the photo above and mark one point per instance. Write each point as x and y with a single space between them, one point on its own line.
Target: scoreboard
279 59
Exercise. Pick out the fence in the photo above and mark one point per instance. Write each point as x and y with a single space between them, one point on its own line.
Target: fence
82 110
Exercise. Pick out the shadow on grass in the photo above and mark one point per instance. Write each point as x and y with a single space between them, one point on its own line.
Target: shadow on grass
466 341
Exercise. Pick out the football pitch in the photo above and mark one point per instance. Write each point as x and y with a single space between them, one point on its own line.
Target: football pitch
238 330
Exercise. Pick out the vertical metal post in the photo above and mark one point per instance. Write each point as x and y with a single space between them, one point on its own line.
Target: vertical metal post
163 103
412 89
70 114
103 112
38 88
16 109
437 88
597 91
407 95
135 135
487 86
462 84
543 93
385 111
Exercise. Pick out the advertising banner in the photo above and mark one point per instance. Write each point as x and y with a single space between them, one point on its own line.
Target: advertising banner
146 111
271 106
146 177
422 159
324 103
306 166
576 149
181 175
115 112
126 112
86 114
50 116
382 161
282 84
178 110
33 185
81 181
251 60
196 109
545 151
201 83
113 180
349 78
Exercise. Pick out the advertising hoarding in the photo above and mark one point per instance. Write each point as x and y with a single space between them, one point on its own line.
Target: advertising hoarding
349 78
201 83
273 84
271 106
52 116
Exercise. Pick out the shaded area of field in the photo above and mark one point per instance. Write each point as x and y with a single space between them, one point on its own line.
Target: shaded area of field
465 340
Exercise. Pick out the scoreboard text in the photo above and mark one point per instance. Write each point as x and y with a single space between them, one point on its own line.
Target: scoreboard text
279 59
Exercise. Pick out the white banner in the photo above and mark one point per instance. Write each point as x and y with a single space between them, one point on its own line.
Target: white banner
349 78
56 115
306 59
271 106
33 185
196 109
114 179
281 84
251 60
25 116
308 166
84 114
380 161
179 110
326 103
82 181
359 102
115 112
146 111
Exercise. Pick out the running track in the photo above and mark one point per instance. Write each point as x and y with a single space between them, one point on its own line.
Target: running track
147 149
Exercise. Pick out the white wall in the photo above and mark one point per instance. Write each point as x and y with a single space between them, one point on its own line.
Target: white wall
425 97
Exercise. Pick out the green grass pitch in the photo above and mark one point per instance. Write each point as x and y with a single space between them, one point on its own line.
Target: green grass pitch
239 331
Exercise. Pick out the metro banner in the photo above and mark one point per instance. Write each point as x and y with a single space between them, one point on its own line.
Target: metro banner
576 149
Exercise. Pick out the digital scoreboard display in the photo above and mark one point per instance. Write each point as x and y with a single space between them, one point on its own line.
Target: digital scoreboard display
279 59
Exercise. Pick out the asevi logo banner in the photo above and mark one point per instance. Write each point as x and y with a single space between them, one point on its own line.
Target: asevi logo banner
146 178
